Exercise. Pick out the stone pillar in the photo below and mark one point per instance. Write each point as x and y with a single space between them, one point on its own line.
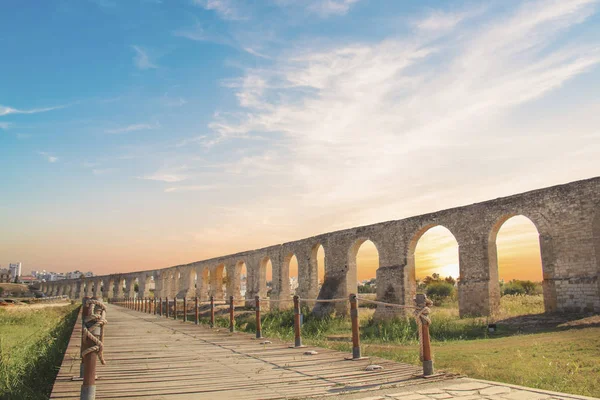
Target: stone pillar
216 282
188 284
336 280
143 285
129 287
119 291
202 284
478 291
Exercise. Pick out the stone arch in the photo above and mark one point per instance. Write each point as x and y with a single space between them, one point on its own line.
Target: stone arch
352 276
546 253
217 282
239 281
411 278
263 288
205 290
317 273
289 282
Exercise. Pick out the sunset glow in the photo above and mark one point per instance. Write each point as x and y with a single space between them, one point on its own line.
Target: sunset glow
170 132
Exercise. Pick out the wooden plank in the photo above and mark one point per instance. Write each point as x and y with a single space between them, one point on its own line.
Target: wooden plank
157 358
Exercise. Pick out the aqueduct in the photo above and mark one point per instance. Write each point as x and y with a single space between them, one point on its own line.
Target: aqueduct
567 218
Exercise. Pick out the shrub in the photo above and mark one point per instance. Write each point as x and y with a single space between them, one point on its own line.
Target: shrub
438 291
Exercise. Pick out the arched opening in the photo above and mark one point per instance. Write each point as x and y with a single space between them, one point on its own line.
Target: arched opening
293 274
365 262
318 267
136 288
515 257
219 282
433 262
205 291
241 280
266 274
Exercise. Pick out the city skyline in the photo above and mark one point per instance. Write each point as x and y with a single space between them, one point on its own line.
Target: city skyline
169 132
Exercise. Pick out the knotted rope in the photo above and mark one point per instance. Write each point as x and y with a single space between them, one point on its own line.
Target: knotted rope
98 316
422 318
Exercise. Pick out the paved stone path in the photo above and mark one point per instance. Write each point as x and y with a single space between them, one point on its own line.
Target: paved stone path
151 357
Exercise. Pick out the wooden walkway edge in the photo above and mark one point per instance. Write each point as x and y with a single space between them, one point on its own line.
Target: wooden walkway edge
157 358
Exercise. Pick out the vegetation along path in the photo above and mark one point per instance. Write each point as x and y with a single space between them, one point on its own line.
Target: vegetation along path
157 358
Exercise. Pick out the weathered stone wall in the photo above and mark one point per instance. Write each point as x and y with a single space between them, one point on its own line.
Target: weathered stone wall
567 218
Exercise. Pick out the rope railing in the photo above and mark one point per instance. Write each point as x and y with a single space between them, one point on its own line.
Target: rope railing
92 344
421 313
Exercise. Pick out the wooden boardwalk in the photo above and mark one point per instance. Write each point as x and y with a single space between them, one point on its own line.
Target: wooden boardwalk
151 357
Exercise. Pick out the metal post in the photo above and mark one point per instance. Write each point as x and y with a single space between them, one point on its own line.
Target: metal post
167 307
297 338
212 311
184 309
258 327
88 388
231 315
422 303
355 327
196 310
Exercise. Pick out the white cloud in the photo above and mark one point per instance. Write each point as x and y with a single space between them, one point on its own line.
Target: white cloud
326 8
142 59
412 116
190 188
49 157
4 110
5 125
227 9
168 175
103 171
133 128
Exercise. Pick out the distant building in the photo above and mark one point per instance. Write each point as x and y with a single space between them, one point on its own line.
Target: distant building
5 276
15 270
28 280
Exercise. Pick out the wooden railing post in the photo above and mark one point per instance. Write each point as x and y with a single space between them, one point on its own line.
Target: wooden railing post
231 315
160 307
355 327
423 314
184 309
167 307
258 326
297 337
212 311
196 310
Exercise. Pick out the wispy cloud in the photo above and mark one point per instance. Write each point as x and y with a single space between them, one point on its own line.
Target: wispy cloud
326 8
5 125
49 157
190 188
375 111
168 175
4 110
321 8
227 9
103 171
133 128
142 59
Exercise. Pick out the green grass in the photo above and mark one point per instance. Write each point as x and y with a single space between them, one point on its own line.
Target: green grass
565 361
32 344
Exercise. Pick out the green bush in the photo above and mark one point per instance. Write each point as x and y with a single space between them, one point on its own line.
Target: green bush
438 291
516 286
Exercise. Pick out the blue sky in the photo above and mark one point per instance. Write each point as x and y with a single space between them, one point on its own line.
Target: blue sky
182 130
